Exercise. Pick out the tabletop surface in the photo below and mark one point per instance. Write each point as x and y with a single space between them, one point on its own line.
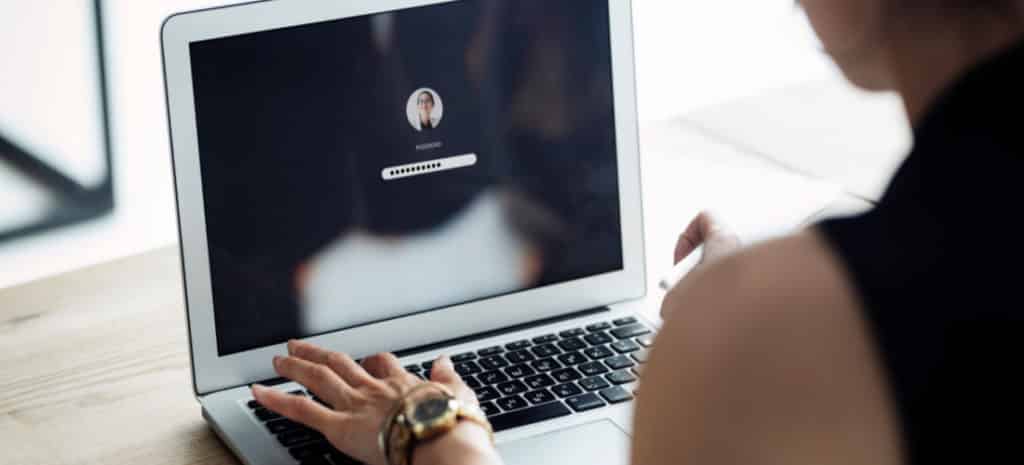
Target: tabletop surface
94 369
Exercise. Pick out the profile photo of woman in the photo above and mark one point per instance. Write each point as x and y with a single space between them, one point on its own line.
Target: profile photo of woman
425 110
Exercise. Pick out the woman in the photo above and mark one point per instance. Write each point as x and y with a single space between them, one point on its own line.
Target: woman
879 339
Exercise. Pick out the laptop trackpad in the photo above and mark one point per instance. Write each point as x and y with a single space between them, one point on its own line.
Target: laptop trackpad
599 442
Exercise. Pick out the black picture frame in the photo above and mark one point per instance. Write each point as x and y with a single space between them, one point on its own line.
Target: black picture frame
76 202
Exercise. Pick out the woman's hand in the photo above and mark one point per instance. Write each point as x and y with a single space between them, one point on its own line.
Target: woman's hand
362 396
707 230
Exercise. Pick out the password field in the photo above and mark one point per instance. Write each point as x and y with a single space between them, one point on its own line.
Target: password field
426 167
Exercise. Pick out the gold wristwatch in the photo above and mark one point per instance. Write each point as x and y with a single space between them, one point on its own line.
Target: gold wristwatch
425 412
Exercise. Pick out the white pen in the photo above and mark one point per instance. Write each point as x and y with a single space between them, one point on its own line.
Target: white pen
681 269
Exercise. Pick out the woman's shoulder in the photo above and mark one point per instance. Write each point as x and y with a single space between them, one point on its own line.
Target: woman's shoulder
801 270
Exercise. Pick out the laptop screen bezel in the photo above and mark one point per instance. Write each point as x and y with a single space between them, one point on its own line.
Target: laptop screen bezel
213 372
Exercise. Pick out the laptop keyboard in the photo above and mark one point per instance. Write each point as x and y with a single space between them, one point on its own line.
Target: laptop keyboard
550 376
518 383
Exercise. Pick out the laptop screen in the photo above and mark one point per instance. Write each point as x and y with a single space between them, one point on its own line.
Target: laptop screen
370 168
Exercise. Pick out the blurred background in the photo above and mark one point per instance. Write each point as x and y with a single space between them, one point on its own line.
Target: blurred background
745 71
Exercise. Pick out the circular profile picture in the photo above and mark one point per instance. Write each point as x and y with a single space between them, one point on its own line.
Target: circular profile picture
425 110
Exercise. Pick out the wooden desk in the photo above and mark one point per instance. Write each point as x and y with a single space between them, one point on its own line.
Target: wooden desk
94 370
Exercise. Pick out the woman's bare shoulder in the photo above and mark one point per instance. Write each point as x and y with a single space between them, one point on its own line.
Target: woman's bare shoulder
779 365
798 270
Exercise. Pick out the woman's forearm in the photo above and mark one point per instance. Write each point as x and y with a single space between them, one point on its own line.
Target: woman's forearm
467 444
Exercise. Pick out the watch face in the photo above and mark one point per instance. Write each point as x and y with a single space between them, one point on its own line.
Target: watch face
430 409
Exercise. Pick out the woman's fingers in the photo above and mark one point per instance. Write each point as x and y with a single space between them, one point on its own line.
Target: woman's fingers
349 370
318 378
307 351
382 366
443 372
693 236
297 408
707 230
343 365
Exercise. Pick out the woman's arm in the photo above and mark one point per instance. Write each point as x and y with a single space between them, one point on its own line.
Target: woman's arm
765 358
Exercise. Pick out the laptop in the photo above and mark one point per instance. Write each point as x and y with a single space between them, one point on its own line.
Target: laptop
417 177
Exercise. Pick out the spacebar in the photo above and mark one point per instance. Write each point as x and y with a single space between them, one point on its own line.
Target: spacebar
528 416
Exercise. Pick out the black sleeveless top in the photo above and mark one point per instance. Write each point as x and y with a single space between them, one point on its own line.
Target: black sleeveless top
939 267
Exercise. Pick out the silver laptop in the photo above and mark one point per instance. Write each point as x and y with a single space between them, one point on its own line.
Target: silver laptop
418 177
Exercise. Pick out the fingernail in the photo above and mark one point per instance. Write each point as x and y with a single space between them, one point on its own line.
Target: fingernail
445 360
277 360
257 389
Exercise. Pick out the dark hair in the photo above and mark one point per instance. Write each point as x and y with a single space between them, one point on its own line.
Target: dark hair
429 94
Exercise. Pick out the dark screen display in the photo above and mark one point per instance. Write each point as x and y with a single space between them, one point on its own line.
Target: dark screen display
370 168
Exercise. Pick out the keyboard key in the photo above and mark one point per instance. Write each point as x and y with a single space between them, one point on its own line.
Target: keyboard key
511 388
282 425
471 382
519 356
565 375
518 345
566 390
467 368
598 327
298 393
624 321
413 368
493 362
540 396
299 436
572 344
463 357
545 339
569 333
546 350
621 377
490 351
599 352
529 416
598 339
630 331
640 356
253 405
572 358
511 403
492 377
263 414
486 393
519 371
594 384
646 341
427 365
619 362
545 365
489 408
625 346
616 394
308 451
592 368
585 402
539 381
